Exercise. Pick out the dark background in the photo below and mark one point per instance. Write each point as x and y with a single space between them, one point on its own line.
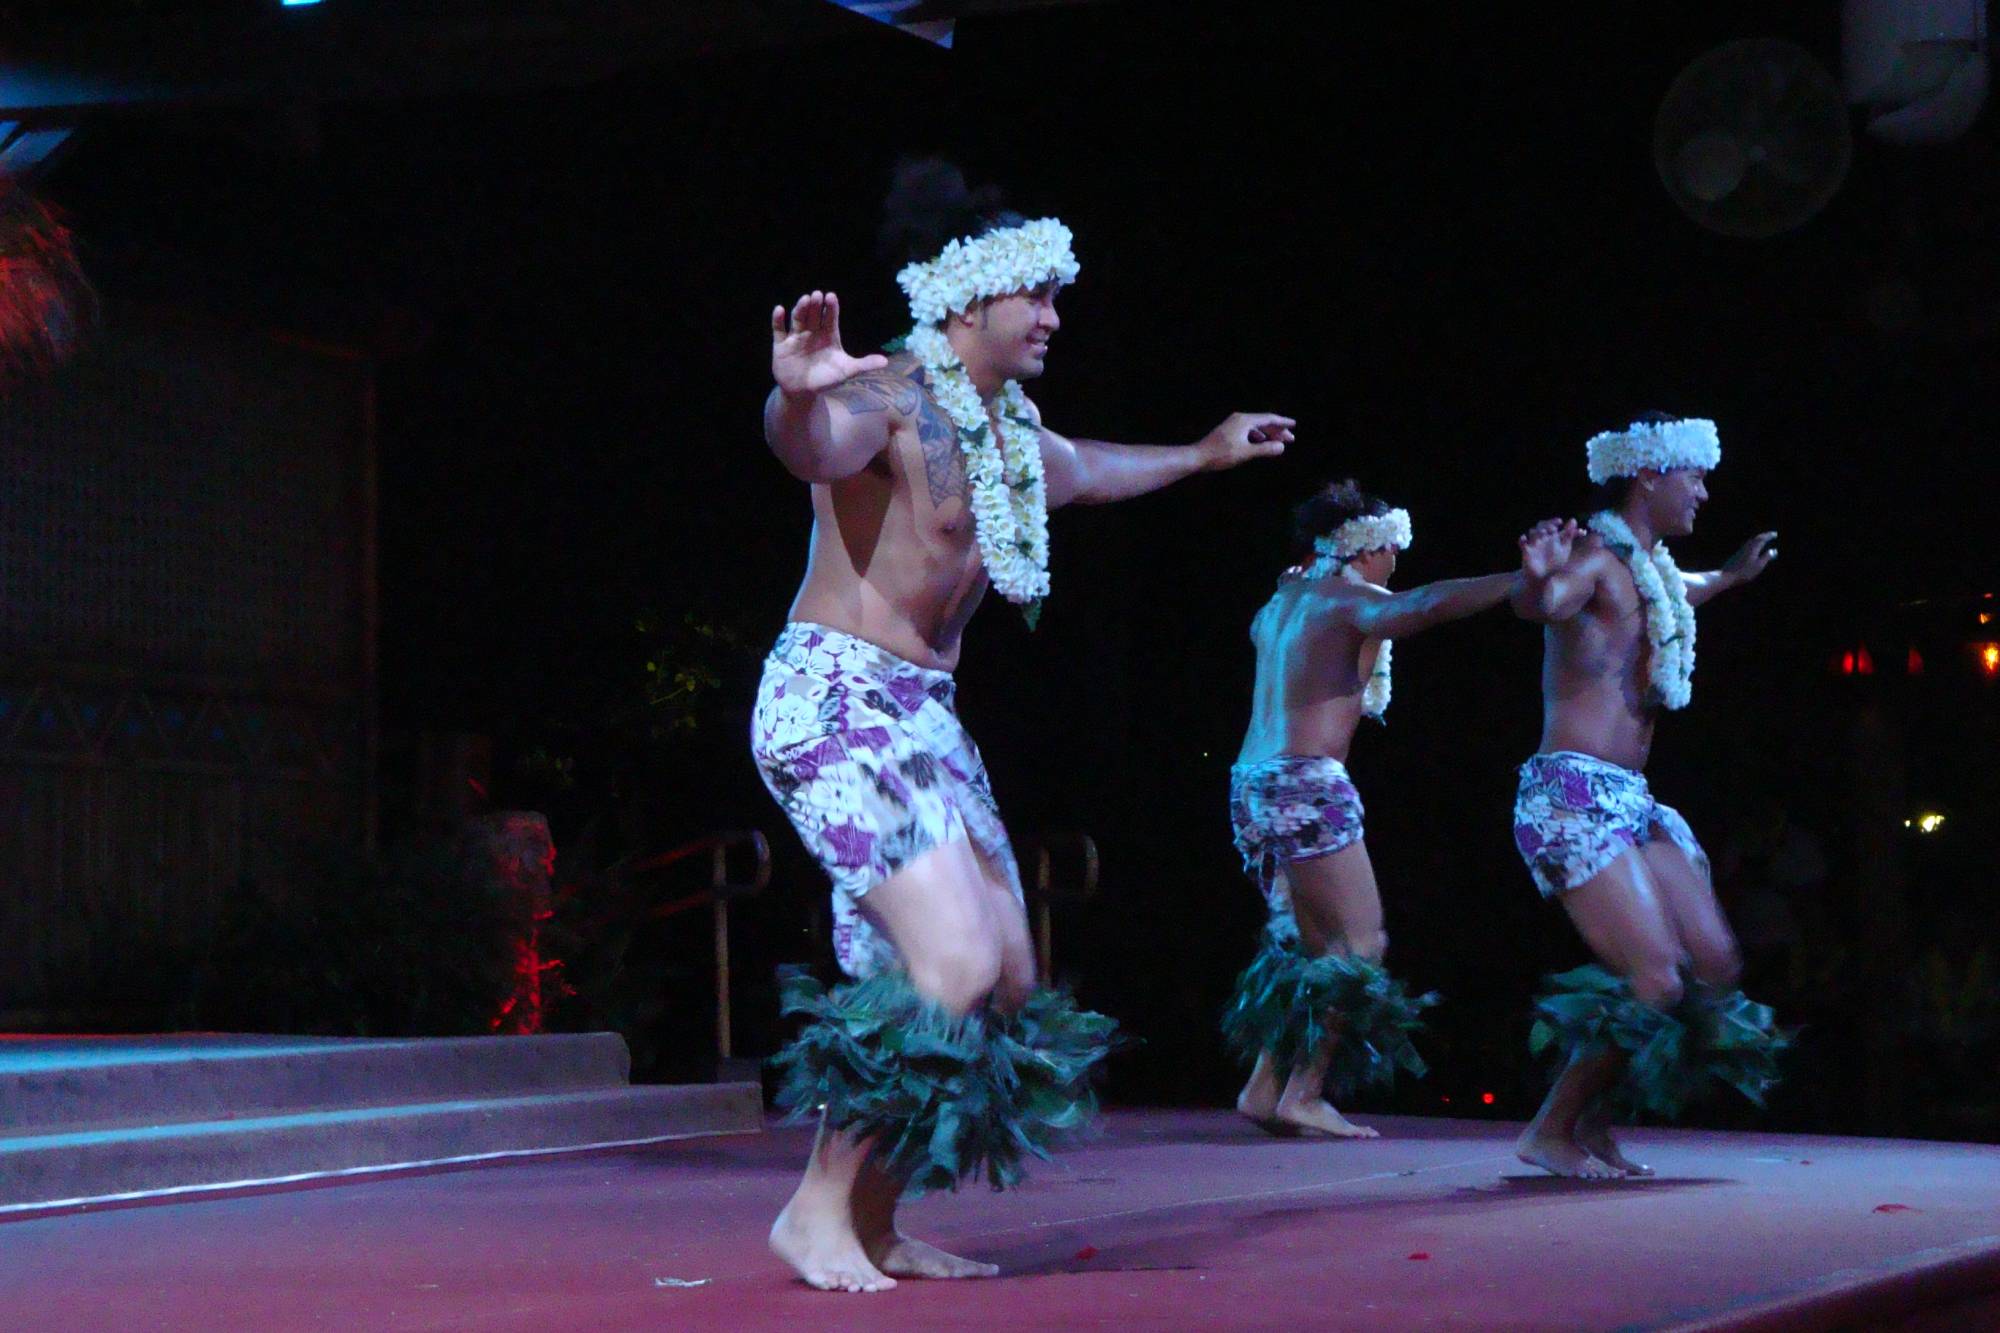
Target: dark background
1435 237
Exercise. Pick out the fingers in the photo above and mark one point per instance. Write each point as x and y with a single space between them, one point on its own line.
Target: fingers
815 313
1265 428
777 322
874 361
1547 529
1265 421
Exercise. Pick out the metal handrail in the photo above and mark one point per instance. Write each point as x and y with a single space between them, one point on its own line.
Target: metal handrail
1045 894
721 889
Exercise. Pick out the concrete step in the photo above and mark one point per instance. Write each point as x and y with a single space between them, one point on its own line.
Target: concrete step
86 1120
48 1082
133 1162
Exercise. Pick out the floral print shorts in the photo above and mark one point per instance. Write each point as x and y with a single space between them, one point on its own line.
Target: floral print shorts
1291 807
865 753
1575 814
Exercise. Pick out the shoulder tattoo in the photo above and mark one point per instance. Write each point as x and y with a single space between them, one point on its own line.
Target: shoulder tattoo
878 391
937 439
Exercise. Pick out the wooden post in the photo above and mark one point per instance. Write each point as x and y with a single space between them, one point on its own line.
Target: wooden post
718 879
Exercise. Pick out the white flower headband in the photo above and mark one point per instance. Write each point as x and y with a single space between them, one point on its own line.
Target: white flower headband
1659 445
1370 532
1011 259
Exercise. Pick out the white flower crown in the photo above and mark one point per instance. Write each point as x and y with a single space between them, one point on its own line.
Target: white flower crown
1370 532
1011 259
1659 445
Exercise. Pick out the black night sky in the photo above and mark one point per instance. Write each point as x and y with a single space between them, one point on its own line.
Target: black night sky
1433 234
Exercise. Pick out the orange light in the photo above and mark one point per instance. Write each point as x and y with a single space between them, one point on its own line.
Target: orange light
1989 659
1985 617
1486 1097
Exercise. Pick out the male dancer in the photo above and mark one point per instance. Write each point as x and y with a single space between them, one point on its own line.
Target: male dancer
1619 648
1323 663
931 477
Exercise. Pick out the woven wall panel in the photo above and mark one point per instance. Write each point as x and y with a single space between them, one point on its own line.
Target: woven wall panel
187 503
182 616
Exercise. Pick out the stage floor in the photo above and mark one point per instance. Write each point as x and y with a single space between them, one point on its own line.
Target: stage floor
1170 1219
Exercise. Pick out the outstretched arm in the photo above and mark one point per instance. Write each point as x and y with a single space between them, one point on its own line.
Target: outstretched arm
1380 614
1751 559
1096 472
830 413
1557 580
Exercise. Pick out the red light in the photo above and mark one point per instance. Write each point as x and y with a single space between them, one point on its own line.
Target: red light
1486 1097
1915 663
1847 664
1864 662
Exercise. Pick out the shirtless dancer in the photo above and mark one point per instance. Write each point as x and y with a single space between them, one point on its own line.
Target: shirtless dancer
1619 648
931 476
1322 665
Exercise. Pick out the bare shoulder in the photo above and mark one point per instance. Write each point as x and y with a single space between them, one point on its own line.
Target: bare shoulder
1337 598
897 389
1610 576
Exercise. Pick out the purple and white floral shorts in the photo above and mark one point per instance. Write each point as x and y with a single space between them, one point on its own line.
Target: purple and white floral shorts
1290 807
1575 814
867 756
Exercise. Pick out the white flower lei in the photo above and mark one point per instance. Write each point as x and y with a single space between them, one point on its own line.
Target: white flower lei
1009 494
1669 614
1370 532
1659 445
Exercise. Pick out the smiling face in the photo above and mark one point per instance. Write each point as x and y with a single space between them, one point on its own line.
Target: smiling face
1008 336
1673 498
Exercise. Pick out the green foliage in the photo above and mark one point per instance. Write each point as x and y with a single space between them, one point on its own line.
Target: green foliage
687 659
347 944
1956 1006
1290 1005
1708 1038
942 1098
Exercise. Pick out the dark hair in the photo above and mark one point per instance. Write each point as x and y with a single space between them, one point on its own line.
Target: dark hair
1612 494
929 205
1332 506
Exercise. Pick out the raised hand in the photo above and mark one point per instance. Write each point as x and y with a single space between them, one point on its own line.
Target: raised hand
806 355
1546 547
1752 558
1244 436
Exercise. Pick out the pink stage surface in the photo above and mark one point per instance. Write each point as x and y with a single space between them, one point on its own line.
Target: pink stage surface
1175 1219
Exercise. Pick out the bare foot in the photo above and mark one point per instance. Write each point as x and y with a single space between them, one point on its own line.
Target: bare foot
903 1257
824 1251
1560 1157
1594 1137
1317 1116
1258 1102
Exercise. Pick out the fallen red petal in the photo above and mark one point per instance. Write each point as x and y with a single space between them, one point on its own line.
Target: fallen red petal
1421 1254
1087 1252
1894 1208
